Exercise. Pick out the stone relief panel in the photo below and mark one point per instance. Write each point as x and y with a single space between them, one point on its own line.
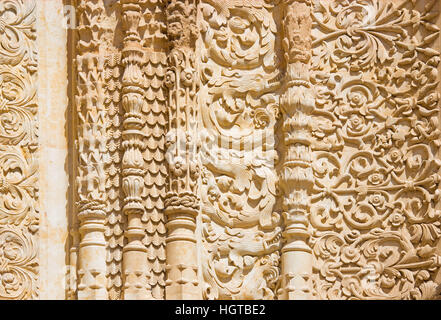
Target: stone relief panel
235 149
240 231
19 211
121 65
375 214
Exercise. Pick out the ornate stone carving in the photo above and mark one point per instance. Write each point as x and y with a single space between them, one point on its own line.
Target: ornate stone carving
135 268
19 213
135 122
226 149
116 220
155 121
374 211
182 201
238 69
92 152
297 105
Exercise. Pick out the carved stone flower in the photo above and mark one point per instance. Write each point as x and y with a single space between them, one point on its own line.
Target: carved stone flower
178 167
396 219
377 199
9 281
9 250
350 255
382 142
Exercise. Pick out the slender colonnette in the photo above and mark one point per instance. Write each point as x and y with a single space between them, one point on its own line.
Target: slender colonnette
297 103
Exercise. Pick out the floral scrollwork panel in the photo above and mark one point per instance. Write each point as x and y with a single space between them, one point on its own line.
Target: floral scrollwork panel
19 217
374 209
223 149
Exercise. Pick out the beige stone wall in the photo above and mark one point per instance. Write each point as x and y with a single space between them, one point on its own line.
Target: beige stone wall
219 149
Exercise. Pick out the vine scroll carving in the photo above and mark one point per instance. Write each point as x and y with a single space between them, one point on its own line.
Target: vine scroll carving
19 210
232 149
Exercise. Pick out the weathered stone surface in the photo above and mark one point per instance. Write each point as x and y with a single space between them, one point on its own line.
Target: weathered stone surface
220 149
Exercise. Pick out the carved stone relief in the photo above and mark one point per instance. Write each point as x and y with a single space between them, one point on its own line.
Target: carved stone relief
240 232
232 149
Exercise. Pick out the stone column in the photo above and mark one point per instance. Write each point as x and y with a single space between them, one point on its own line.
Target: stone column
182 202
297 104
135 269
92 152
